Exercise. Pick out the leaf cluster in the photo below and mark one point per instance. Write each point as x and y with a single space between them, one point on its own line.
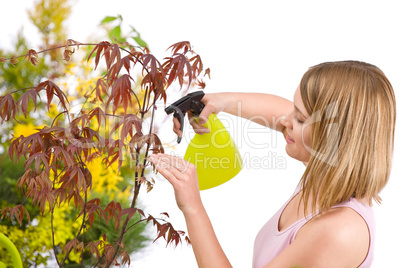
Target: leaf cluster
56 156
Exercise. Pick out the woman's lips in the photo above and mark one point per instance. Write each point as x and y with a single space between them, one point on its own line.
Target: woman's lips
289 139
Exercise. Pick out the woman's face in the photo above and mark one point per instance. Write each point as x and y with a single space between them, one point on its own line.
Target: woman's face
298 130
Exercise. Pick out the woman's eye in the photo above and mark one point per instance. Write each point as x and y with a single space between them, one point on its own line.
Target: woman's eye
298 120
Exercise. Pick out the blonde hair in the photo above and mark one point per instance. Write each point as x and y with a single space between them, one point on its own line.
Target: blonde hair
352 111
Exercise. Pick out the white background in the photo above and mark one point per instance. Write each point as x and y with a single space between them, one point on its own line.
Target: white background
253 46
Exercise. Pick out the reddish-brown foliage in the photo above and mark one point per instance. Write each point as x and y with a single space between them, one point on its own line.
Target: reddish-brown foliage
56 156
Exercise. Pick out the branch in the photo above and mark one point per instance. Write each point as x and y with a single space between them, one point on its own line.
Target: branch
137 187
52 226
54 120
83 216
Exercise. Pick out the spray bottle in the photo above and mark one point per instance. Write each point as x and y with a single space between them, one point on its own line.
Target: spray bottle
214 154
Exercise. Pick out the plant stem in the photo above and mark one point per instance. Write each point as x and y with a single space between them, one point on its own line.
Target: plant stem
83 216
51 222
137 187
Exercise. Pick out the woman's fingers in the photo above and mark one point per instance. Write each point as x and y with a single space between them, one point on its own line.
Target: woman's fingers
164 171
183 177
176 127
170 165
173 162
198 128
205 113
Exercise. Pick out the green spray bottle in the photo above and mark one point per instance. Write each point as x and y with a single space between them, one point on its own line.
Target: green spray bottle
214 154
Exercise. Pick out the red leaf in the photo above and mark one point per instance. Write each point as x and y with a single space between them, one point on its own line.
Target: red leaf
208 72
18 212
71 245
152 139
187 239
62 156
112 54
67 53
130 120
8 107
78 177
125 258
99 48
165 214
31 144
32 56
5 212
24 100
154 65
101 87
126 61
121 93
141 212
28 175
14 60
93 248
162 229
129 211
109 253
40 158
113 210
52 89
175 67
43 198
13 149
200 84
185 45
175 238
141 180
197 65
71 42
93 207
99 114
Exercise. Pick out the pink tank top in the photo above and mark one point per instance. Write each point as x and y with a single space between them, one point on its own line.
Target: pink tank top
270 242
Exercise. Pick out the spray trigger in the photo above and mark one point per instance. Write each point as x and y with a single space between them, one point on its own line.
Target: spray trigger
191 102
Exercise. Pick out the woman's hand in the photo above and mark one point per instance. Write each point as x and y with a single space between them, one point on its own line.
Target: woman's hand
183 177
214 103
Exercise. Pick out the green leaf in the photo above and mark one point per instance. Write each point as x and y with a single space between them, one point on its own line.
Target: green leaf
108 19
140 42
115 33
138 38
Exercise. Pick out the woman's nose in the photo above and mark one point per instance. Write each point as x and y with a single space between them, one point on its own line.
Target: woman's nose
287 122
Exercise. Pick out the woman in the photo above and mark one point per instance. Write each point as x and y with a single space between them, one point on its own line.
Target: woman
341 126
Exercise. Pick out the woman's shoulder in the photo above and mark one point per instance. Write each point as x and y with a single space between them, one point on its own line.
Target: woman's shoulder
339 232
342 221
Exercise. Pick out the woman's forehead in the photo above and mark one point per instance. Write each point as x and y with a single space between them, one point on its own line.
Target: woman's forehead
298 103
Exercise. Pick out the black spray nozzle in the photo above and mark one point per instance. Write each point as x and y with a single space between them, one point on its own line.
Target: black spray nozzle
191 102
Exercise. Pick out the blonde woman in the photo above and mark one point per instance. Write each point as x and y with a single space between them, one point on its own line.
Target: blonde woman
341 126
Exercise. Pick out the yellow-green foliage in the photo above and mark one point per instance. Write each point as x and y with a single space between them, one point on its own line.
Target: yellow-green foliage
35 240
48 16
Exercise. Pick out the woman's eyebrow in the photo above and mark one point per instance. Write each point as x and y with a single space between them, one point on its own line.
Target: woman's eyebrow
297 109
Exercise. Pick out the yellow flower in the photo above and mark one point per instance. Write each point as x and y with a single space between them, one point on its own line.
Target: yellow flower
104 180
25 130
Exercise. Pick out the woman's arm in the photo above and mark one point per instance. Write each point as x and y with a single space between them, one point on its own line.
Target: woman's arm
207 250
264 109
183 177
